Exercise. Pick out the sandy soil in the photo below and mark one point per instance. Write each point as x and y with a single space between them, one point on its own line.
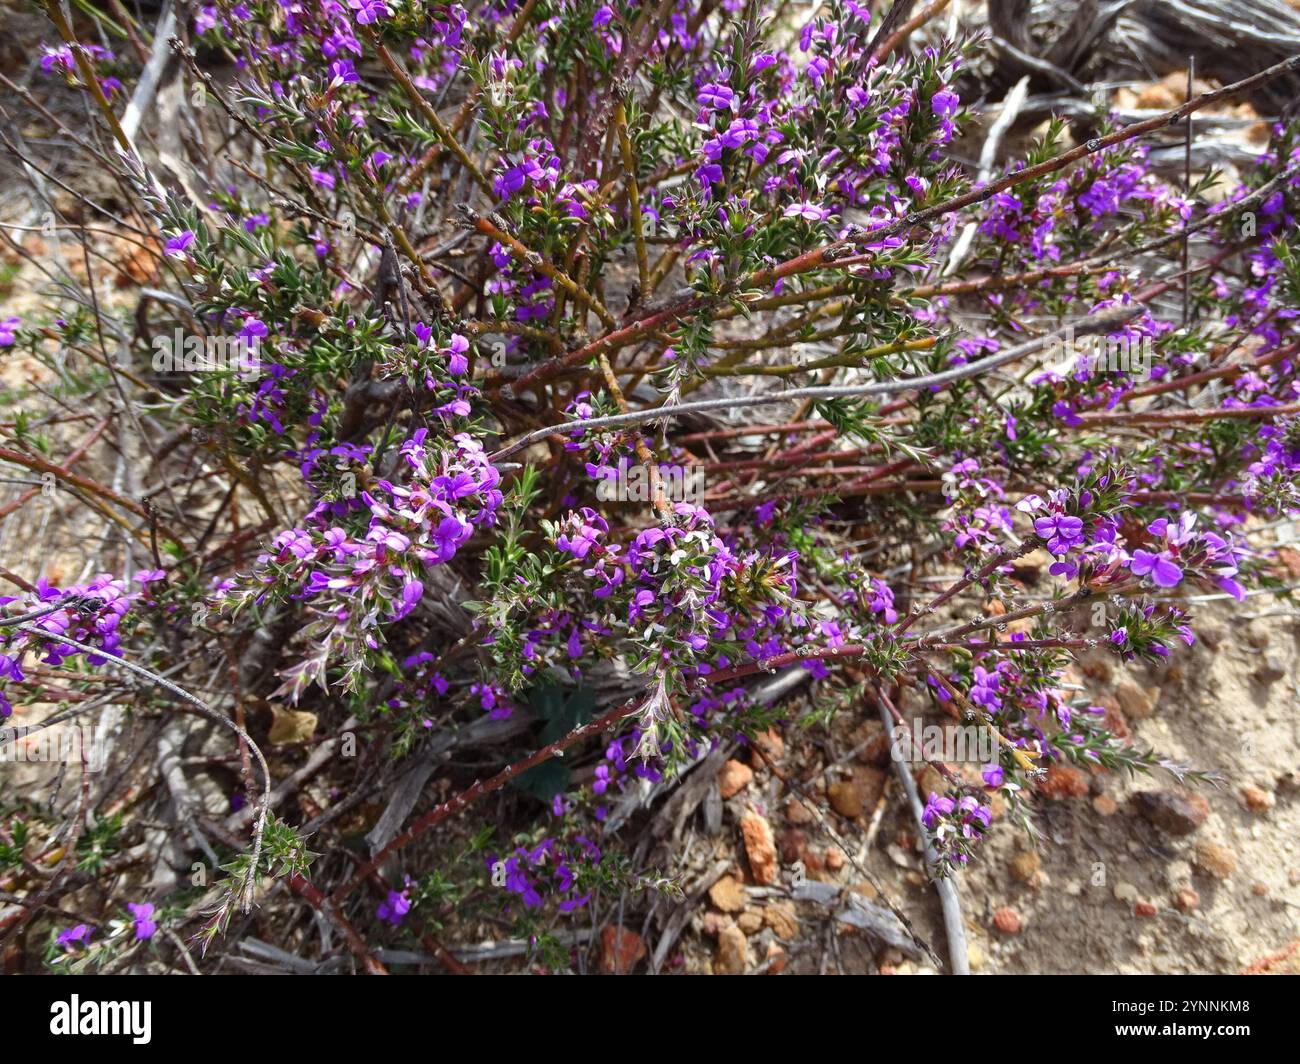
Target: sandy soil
1105 890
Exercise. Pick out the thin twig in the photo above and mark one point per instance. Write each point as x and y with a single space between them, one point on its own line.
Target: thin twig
949 899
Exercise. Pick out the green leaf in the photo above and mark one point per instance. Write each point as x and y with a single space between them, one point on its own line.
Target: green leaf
562 712
544 781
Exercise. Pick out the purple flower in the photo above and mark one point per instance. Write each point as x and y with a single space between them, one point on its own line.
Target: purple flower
493 701
369 11
716 97
1161 567
584 530
936 808
457 363
145 925
10 669
394 908
60 57
253 328
709 174
1061 531
985 688
177 246
809 211
71 935
8 328
1232 587
882 601
975 817
411 592
342 72
457 486
511 181
448 536
945 103
1063 410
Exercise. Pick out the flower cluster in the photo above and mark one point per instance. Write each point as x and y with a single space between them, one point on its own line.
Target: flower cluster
1175 548
359 581
956 826
89 613
546 872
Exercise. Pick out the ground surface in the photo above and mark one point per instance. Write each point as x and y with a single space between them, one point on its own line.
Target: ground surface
1105 890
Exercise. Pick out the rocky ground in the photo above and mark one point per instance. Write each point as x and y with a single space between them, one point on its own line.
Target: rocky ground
1129 875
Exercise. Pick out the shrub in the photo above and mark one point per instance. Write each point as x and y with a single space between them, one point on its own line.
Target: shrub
499 266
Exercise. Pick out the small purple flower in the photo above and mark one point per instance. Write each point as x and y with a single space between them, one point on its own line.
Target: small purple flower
945 103
448 536
974 816
394 908
882 601
73 935
511 181
1063 410
1232 587
60 57
1161 567
709 174
985 688
342 72
8 328
457 363
369 11
176 247
145 925
10 669
808 211
253 328
716 97
936 808
1061 532
411 592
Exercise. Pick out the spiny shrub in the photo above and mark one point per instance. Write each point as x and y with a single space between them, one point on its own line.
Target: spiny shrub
577 367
